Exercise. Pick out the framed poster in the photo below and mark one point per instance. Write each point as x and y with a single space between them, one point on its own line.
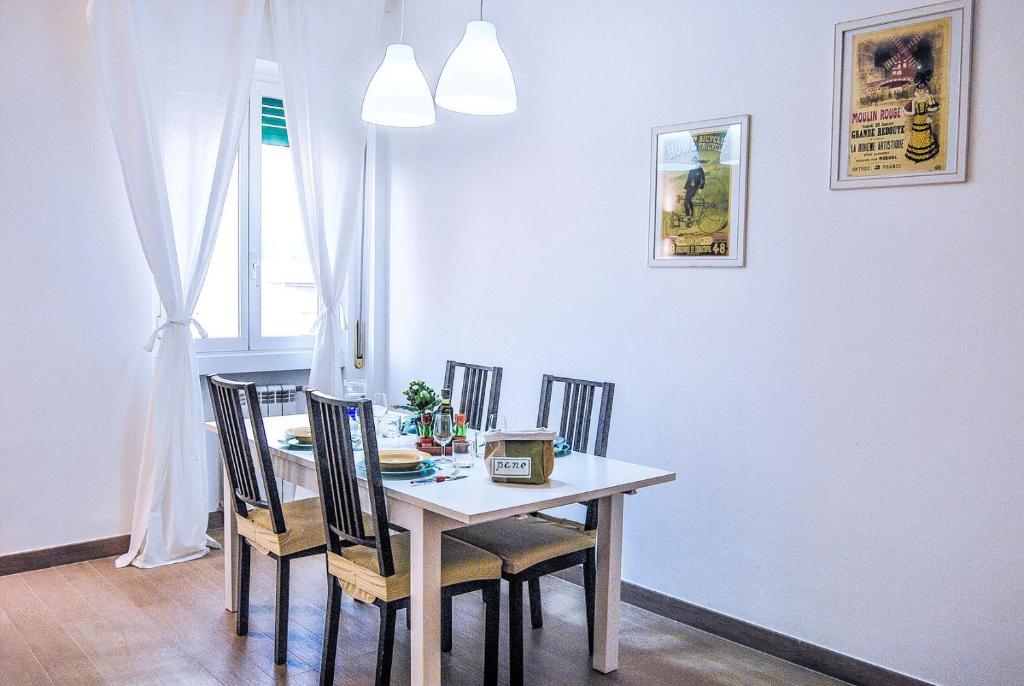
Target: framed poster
900 89
699 194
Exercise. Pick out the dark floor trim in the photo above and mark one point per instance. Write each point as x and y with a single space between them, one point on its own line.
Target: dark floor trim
16 563
62 555
822 660
215 520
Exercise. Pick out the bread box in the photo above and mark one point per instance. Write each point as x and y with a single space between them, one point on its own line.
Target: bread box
520 456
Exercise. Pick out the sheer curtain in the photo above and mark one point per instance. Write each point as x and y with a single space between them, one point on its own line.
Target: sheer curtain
326 54
176 77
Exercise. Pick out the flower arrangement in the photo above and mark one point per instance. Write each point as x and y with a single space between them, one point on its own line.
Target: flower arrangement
419 397
423 400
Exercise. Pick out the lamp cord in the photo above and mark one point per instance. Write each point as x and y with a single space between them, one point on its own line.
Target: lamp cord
481 10
401 30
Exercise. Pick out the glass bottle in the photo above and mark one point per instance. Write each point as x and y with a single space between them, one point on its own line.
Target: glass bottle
446 404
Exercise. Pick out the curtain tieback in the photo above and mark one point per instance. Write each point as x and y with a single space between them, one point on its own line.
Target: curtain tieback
173 322
323 314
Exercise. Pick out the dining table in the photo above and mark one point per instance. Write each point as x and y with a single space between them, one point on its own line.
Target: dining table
428 510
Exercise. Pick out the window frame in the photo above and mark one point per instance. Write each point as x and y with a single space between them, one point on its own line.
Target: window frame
251 351
262 87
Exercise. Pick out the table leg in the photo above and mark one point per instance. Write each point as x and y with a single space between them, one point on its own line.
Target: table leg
425 599
230 549
609 581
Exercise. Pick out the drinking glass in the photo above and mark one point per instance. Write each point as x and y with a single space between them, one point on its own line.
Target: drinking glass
443 434
355 388
380 409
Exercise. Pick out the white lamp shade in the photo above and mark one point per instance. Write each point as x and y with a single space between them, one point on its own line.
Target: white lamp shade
677 152
731 146
398 94
477 79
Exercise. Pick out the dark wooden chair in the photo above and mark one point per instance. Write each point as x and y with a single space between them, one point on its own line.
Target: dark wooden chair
475 399
375 569
283 531
537 545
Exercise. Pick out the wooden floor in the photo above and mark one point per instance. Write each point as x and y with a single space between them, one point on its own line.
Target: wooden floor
89 623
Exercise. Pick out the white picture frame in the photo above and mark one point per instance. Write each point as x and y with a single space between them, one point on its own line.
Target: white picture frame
692 216
956 100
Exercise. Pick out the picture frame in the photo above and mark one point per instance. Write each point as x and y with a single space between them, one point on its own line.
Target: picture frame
900 101
698 201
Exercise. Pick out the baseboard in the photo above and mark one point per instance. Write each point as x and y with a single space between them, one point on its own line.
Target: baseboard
215 521
78 552
63 555
821 660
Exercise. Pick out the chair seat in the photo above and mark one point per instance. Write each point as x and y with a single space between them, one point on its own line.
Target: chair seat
522 542
359 574
304 528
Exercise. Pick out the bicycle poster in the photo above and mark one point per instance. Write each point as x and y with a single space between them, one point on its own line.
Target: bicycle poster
698 181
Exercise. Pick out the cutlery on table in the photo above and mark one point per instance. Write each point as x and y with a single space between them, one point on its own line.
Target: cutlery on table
436 479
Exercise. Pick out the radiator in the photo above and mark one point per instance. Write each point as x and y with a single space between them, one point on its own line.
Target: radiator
276 400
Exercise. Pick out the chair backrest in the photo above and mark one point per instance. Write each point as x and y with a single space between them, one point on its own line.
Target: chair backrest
337 476
578 406
475 400
249 486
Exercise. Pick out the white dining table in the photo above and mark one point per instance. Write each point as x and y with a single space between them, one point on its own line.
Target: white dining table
429 510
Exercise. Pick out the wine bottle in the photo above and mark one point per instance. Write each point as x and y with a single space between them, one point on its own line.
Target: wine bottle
446 404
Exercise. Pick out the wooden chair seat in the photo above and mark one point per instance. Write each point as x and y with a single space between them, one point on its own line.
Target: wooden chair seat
305 528
283 531
376 569
524 542
358 572
537 545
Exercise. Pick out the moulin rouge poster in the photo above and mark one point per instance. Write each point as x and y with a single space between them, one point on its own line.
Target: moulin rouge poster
900 100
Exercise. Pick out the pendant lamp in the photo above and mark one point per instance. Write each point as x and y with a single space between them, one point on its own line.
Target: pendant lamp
477 78
398 94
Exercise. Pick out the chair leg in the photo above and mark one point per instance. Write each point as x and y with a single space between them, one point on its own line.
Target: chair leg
492 593
536 614
385 644
589 584
446 622
330 631
242 601
281 620
515 632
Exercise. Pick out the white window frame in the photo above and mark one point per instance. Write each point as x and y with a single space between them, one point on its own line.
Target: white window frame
251 351
262 87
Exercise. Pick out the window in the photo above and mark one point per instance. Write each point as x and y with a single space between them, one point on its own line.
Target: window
259 296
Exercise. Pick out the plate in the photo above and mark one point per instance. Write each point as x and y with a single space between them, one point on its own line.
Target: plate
426 468
301 434
294 444
401 460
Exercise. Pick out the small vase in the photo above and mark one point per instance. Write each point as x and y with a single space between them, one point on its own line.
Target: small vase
425 429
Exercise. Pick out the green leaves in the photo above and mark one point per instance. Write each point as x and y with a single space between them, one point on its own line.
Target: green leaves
420 397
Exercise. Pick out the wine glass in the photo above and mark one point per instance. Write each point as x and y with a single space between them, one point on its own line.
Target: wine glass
380 409
443 433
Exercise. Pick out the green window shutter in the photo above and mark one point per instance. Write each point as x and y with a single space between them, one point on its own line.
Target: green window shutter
274 130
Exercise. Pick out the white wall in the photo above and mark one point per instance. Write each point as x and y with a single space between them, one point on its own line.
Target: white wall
845 414
75 295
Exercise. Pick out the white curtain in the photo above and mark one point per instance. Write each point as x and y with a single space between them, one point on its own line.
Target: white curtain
176 77
326 54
